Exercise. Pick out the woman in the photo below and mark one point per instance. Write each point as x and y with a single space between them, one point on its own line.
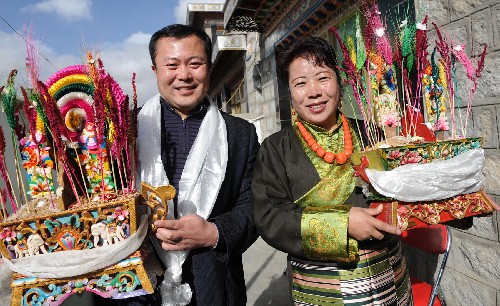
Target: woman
305 200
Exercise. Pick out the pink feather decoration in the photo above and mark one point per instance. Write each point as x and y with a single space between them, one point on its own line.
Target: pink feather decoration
133 132
121 119
32 57
376 28
397 57
3 170
461 56
3 194
99 113
54 118
472 73
30 112
480 63
352 75
443 48
422 44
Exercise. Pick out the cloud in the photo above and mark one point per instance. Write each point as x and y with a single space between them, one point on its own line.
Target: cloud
14 57
120 61
70 10
132 55
181 8
139 38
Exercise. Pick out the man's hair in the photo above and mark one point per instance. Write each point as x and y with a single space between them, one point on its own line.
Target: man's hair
179 31
311 48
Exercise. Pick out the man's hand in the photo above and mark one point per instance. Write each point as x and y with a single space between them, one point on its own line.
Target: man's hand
187 233
363 225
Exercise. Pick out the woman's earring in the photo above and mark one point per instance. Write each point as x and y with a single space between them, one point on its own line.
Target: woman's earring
294 114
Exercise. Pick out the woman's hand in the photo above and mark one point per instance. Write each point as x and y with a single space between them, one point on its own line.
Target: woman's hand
363 225
492 201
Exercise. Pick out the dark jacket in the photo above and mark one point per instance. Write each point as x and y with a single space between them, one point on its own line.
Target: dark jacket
283 173
216 276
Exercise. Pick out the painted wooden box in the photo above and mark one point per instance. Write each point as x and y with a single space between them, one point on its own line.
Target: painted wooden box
88 228
407 215
393 157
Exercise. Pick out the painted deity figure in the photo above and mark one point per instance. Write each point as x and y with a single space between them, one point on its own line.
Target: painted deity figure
93 158
434 84
385 104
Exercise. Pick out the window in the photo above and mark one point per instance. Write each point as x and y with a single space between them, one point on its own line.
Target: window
237 98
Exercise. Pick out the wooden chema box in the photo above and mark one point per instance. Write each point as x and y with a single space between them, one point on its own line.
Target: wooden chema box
407 215
87 228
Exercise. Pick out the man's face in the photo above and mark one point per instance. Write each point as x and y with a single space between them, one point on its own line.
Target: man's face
182 72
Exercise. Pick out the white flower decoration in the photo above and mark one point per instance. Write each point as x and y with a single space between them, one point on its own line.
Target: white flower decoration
380 32
421 26
358 33
59 191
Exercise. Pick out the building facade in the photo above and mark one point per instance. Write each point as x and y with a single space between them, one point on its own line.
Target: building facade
230 48
244 81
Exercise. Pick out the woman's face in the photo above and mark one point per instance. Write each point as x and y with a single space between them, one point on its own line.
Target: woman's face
315 92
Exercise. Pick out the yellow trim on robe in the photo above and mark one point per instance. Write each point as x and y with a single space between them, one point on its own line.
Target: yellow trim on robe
325 217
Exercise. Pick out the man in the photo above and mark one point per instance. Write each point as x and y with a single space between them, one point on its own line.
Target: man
208 157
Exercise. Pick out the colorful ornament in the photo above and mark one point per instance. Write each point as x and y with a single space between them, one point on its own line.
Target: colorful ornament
329 157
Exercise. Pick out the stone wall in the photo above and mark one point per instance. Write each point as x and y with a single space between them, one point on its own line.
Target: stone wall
472 275
264 97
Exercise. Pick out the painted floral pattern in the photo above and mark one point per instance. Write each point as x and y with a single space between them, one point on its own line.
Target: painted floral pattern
440 211
427 152
74 231
7 234
411 157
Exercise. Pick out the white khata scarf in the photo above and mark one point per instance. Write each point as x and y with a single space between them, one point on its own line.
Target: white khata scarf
199 185
433 181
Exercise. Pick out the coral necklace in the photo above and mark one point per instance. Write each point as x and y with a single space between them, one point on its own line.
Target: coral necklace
329 157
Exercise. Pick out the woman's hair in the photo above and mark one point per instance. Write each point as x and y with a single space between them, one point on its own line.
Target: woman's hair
179 31
312 48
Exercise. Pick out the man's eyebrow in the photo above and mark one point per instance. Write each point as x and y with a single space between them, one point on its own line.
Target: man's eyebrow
200 57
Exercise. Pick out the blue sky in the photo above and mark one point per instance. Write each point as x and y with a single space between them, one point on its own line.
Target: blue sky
119 30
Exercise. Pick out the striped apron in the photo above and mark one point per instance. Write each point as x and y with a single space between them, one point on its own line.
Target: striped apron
378 277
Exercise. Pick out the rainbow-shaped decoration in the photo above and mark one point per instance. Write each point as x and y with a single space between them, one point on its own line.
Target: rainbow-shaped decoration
73 90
